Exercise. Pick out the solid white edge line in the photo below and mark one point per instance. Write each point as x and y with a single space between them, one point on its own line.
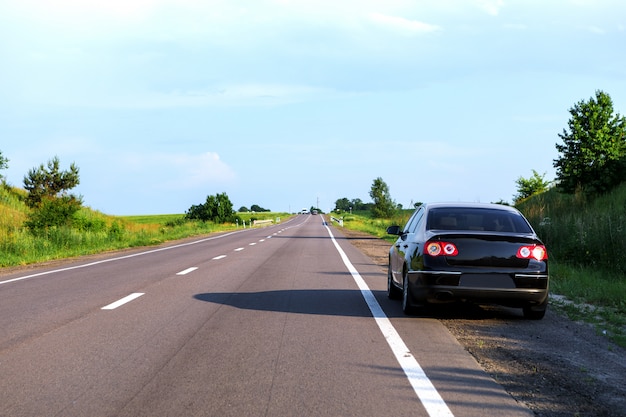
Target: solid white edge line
423 387
123 301
188 270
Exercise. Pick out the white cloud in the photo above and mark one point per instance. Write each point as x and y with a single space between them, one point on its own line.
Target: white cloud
403 25
177 171
192 171
491 7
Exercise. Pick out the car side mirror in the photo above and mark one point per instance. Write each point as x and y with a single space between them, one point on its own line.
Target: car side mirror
394 230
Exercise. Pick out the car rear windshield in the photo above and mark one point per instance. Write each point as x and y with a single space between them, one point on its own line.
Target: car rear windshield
476 219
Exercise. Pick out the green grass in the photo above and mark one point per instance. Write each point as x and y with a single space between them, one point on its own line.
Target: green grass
155 218
364 222
582 231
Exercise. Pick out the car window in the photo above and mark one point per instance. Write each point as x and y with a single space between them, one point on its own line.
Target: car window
418 222
413 221
476 219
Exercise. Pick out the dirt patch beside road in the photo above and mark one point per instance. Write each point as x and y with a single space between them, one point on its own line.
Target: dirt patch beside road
555 366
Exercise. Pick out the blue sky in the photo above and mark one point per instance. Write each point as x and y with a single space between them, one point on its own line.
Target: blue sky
287 103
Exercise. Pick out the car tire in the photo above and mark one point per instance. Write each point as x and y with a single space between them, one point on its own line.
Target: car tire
393 292
407 301
535 312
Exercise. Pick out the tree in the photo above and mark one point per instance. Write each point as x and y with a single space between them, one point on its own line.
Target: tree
358 204
217 208
53 212
257 209
384 206
343 204
49 182
48 196
593 149
4 162
527 187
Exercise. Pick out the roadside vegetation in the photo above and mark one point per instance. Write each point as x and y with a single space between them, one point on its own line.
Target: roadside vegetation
586 239
90 231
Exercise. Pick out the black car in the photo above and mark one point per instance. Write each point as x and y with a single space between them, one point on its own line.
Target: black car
485 253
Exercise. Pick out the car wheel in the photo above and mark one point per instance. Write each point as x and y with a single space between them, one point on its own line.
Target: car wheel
393 292
407 301
535 312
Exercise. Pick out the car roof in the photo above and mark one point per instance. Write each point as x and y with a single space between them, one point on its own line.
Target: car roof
492 206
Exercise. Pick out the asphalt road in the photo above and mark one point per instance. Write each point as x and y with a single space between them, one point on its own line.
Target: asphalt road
286 320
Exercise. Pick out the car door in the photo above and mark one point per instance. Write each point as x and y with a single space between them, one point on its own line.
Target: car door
402 245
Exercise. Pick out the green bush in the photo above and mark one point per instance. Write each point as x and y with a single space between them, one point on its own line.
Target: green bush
53 212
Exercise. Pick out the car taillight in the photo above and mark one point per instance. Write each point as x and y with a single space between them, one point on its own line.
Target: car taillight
537 252
441 249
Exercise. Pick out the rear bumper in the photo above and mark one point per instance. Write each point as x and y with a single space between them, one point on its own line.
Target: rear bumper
515 289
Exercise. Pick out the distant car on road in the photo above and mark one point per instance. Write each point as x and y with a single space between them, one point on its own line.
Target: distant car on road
485 253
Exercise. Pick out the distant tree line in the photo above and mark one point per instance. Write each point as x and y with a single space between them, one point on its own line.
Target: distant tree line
253 208
343 204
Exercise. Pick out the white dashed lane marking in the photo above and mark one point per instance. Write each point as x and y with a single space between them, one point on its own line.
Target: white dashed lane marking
188 270
123 301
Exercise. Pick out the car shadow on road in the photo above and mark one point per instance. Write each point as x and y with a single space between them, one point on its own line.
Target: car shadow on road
349 303
332 302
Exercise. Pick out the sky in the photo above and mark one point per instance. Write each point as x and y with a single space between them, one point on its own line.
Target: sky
289 104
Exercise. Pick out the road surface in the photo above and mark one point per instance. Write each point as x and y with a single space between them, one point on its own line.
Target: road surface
286 320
